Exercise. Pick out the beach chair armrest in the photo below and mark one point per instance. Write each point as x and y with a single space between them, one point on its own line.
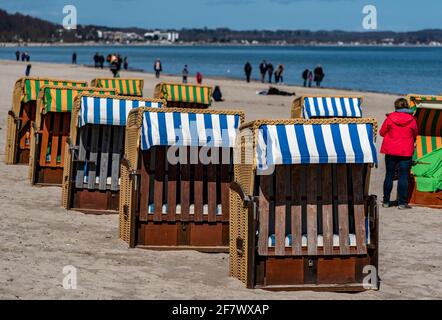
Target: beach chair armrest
247 200
13 115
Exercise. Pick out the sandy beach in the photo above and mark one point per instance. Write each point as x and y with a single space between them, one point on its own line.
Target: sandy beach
38 238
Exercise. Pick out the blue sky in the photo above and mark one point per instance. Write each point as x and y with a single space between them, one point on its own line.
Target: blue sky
397 15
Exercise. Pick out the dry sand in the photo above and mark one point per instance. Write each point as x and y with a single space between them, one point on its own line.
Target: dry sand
38 238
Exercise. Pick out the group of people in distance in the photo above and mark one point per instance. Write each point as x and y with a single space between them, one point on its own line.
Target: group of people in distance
267 69
317 76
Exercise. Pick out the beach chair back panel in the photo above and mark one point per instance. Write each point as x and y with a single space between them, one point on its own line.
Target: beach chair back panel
101 130
332 107
125 87
182 95
32 87
188 189
313 201
55 130
98 164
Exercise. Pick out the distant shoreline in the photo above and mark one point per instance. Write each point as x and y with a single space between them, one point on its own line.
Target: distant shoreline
217 44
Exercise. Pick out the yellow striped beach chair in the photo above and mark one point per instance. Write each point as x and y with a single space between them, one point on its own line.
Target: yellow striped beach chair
22 115
184 95
124 87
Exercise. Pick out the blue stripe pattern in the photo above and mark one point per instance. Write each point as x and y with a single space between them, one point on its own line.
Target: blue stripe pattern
189 129
331 107
109 111
281 144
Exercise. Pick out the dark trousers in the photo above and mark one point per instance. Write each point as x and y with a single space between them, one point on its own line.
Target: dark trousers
404 165
248 77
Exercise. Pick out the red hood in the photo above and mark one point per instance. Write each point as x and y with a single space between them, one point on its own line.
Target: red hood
401 118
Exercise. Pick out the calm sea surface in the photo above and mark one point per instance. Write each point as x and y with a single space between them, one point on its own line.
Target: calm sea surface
384 69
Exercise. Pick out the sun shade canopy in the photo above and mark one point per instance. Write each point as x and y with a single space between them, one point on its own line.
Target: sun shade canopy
61 99
315 143
109 111
31 86
125 87
315 107
186 93
190 129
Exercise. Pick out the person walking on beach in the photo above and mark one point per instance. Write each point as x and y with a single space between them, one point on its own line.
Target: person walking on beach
305 76
157 67
199 78
319 75
263 70
96 60
101 61
115 65
279 78
185 73
399 131
28 57
270 70
248 71
17 55
74 58
125 64
310 79
28 70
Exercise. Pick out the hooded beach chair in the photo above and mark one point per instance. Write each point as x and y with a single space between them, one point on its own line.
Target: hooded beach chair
301 216
91 177
184 95
327 106
426 181
175 179
124 87
51 130
22 116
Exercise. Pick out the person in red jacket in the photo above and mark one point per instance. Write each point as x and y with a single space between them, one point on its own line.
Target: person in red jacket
399 132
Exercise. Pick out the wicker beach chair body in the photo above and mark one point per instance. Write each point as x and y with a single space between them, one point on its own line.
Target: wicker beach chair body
184 95
301 214
327 106
51 130
181 204
91 175
429 118
22 116
124 87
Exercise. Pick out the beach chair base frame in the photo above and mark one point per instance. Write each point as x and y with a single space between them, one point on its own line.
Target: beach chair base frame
49 176
203 237
94 201
424 199
335 273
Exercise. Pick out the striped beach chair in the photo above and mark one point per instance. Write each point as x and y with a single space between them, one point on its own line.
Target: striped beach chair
124 87
428 113
301 216
175 179
51 130
323 106
184 95
22 116
91 176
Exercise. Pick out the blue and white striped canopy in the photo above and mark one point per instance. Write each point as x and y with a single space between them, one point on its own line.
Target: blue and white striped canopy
316 107
189 129
315 143
109 111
